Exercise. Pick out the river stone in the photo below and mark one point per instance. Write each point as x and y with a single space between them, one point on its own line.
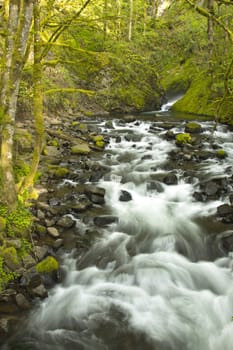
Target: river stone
28 261
155 186
53 232
129 119
211 188
225 210
82 148
22 302
41 251
226 241
31 279
66 221
16 243
40 291
95 194
170 179
125 196
193 128
105 220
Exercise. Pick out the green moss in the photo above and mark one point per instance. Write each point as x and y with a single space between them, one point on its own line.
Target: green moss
61 172
182 139
21 169
9 253
18 222
2 224
5 277
25 248
74 123
100 144
54 143
221 154
47 265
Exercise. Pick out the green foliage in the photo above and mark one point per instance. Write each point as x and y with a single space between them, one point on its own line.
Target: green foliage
25 248
21 169
47 265
18 222
5 277
183 139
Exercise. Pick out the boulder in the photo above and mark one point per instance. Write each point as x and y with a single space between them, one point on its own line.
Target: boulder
66 221
105 220
170 179
193 128
81 148
125 196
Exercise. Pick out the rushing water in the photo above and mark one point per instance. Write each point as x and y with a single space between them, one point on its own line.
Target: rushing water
149 282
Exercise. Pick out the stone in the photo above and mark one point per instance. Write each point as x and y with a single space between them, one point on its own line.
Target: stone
129 119
40 291
155 186
16 243
211 188
170 179
95 194
105 220
225 210
82 148
31 279
226 241
40 251
231 198
66 221
53 232
125 196
193 128
28 261
58 243
40 214
22 302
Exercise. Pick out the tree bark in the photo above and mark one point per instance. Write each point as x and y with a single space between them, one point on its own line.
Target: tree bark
18 26
130 20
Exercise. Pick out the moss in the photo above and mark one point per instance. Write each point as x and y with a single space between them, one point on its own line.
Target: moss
100 144
9 253
47 265
74 123
183 139
54 143
193 127
21 169
61 172
221 154
18 222
5 277
2 224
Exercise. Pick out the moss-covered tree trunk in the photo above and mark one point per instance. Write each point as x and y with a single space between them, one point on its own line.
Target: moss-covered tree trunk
37 102
18 17
131 4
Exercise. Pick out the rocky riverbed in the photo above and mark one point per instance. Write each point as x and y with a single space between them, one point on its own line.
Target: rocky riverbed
70 210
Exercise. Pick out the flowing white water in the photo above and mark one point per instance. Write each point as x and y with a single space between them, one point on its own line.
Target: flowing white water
146 284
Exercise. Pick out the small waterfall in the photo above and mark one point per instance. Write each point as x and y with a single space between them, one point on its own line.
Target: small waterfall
166 106
148 282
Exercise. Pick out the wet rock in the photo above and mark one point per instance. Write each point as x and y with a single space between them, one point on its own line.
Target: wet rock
105 220
66 221
31 279
170 179
16 243
211 188
231 199
53 232
58 243
22 302
8 307
96 176
40 291
118 139
193 128
199 196
82 148
81 204
41 251
129 119
95 194
170 135
40 214
225 210
155 186
125 196
203 155
225 240
109 124
28 261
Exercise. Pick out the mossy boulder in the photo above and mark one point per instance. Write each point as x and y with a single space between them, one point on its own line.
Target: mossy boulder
81 148
98 140
193 128
49 264
183 138
221 154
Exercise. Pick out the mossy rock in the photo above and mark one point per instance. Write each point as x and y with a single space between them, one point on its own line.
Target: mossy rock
53 142
100 144
193 128
183 138
82 148
49 264
10 257
98 140
221 154
61 172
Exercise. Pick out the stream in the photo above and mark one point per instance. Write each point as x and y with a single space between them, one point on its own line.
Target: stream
153 279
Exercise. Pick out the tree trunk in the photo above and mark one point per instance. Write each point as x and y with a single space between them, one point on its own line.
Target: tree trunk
210 30
130 20
18 26
37 103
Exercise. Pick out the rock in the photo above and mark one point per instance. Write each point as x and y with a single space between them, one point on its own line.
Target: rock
22 302
231 199
28 261
40 230
109 124
16 243
193 128
82 148
211 188
51 151
125 196
40 251
203 155
95 194
105 220
58 243
118 139
40 214
170 135
221 154
182 139
31 279
129 119
81 204
225 210
53 232
226 241
170 179
40 291
155 186
66 221
8 308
